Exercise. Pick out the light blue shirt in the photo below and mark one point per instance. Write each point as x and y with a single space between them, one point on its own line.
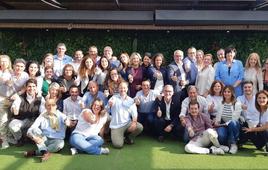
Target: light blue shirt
122 111
146 102
59 64
229 77
42 124
88 98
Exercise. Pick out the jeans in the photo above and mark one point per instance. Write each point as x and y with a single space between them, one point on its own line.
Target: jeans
91 144
229 135
50 145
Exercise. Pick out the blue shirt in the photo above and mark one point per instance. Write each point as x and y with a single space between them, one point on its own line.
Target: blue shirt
228 76
88 98
59 64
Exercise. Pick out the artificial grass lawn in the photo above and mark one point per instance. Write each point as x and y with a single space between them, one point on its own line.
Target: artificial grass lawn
146 153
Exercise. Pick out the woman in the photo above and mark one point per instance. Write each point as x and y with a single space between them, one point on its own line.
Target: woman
258 135
101 72
158 74
54 93
214 98
48 60
146 64
205 76
265 75
66 80
86 73
199 59
231 71
6 90
47 80
135 74
124 59
85 137
227 119
33 70
112 83
253 72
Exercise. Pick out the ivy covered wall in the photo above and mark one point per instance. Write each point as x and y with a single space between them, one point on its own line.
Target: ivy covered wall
34 43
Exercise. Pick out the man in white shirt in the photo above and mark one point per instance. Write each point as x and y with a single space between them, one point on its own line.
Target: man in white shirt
123 117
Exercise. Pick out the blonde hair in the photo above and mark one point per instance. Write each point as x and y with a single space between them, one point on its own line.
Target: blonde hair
9 61
132 57
258 65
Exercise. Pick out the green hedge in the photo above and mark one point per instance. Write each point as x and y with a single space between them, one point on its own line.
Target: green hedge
34 43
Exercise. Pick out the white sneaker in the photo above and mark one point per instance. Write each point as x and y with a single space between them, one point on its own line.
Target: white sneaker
5 145
105 151
224 148
217 151
233 149
73 151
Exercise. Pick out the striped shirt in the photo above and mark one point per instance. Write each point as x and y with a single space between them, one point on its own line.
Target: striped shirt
227 112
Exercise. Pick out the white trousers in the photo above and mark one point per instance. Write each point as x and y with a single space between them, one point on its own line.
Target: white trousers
203 141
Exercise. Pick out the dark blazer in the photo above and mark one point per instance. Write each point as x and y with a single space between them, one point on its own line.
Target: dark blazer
175 108
153 79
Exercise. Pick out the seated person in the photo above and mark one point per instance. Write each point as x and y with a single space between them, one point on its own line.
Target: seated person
201 134
48 131
123 118
26 108
167 111
86 137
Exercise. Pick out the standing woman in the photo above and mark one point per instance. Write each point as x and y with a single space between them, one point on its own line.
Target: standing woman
158 73
101 72
86 73
33 70
265 75
227 119
6 91
205 76
253 72
214 99
66 80
146 64
231 72
259 134
135 74
86 137
200 59
124 59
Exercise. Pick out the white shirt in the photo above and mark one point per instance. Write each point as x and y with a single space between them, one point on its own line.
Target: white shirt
167 110
72 108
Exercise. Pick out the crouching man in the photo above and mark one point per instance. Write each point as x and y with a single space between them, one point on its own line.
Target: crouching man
201 133
48 131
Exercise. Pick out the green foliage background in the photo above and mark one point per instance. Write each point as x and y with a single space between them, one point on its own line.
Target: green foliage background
34 43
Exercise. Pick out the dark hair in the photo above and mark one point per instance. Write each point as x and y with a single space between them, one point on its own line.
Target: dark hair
48 67
64 68
147 54
38 73
247 82
109 64
193 102
74 86
258 107
211 91
31 80
229 50
159 55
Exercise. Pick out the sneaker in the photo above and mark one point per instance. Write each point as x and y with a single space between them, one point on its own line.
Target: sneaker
217 151
105 151
29 154
73 151
233 149
5 145
224 148
45 156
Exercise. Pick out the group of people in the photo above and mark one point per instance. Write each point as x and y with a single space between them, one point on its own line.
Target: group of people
213 108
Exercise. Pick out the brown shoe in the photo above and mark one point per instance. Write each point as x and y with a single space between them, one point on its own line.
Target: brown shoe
28 154
46 156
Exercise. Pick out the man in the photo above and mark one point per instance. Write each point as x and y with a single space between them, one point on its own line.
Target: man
26 108
108 53
92 94
48 131
220 56
78 57
176 71
124 118
167 113
60 59
93 53
190 66
192 96
200 131
250 115
144 100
